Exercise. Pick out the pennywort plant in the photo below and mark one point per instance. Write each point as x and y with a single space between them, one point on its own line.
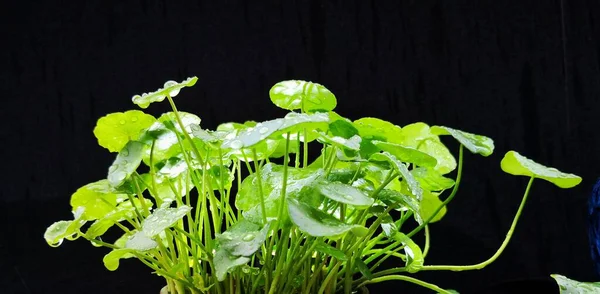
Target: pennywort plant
243 209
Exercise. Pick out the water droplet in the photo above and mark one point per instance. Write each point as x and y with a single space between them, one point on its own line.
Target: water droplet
124 162
122 121
237 144
348 197
248 237
112 168
125 152
134 119
230 136
263 130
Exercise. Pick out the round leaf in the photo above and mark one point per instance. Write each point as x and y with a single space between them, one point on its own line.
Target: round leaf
292 123
96 203
407 154
315 222
519 165
163 218
308 96
114 130
170 88
345 194
378 129
432 180
475 143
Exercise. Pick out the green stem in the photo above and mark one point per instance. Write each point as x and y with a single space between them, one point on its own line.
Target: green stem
407 279
498 252
260 187
454 190
427 240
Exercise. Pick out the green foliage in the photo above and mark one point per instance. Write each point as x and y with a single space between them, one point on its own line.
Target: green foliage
568 286
243 207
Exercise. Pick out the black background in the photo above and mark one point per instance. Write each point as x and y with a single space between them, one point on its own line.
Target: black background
525 73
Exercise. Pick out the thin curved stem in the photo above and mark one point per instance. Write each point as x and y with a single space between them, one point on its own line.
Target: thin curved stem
454 190
498 252
407 279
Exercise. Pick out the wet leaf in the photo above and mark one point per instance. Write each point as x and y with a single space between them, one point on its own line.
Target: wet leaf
331 251
171 88
163 218
243 239
414 255
519 165
292 123
315 222
308 96
378 129
114 130
111 260
569 286
344 193
475 143
127 162
401 168
431 180
407 154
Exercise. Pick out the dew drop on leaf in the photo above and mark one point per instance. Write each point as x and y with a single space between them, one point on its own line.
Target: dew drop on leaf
263 130
122 121
134 119
248 237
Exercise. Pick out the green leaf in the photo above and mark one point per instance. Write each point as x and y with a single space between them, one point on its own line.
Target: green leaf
170 88
315 222
300 181
388 226
407 154
140 242
292 123
60 230
419 136
475 143
189 121
224 262
363 268
243 239
569 286
392 197
431 180
97 203
429 204
331 251
344 193
352 143
123 211
163 218
414 255
294 94
519 165
445 161
114 130
401 168
378 129
342 127
111 260
126 163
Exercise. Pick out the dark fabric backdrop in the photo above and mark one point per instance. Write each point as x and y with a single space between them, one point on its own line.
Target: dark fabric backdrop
525 73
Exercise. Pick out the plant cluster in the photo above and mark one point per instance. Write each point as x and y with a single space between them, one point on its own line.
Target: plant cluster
243 209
